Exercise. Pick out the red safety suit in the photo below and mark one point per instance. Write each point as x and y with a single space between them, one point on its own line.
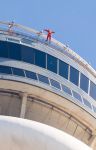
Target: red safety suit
49 35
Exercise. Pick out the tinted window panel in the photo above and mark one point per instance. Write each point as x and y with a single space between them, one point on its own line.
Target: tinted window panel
55 84
84 83
92 90
94 108
14 51
5 69
74 75
77 96
52 63
4 49
13 40
18 72
28 54
43 79
66 89
27 41
87 103
31 75
40 59
63 69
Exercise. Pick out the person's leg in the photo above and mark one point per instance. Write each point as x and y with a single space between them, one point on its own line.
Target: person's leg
49 38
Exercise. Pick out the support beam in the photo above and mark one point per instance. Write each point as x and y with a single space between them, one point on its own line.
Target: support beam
23 105
92 142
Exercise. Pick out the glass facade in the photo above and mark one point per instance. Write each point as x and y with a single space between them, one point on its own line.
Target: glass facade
5 70
63 69
33 56
14 51
77 96
94 108
18 72
31 75
4 49
87 103
43 79
27 41
66 89
84 83
40 59
28 54
74 75
92 90
52 63
55 84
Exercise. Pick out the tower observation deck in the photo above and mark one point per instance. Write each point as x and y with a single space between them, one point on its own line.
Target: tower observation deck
46 82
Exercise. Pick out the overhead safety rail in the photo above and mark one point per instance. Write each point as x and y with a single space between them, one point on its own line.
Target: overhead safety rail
70 52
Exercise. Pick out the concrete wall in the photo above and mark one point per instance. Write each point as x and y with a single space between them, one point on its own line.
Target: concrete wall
37 110
40 112
37 104
10 104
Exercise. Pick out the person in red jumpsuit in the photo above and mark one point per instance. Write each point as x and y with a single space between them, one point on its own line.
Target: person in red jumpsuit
49 34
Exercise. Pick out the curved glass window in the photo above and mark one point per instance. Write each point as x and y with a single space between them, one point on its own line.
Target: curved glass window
63 69
31 75
66 89
74 75
43 79
44 60
27 41
87 103
77 96
17 71
14 51
55 84
40 59
13 40
3 49
5 70
92 90
51 63
94 108
84 83
28 54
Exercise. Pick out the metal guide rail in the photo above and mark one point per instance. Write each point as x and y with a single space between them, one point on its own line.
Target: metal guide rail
40 37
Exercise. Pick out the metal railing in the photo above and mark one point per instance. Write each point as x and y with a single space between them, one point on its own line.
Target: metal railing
54 43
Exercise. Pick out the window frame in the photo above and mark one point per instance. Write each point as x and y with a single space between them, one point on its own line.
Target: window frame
41 77
84 79
6 68
63 74
15 72
53 84
29 73
42 56
54 63
74 80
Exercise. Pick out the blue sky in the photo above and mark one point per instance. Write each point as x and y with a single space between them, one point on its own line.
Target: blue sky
74 21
